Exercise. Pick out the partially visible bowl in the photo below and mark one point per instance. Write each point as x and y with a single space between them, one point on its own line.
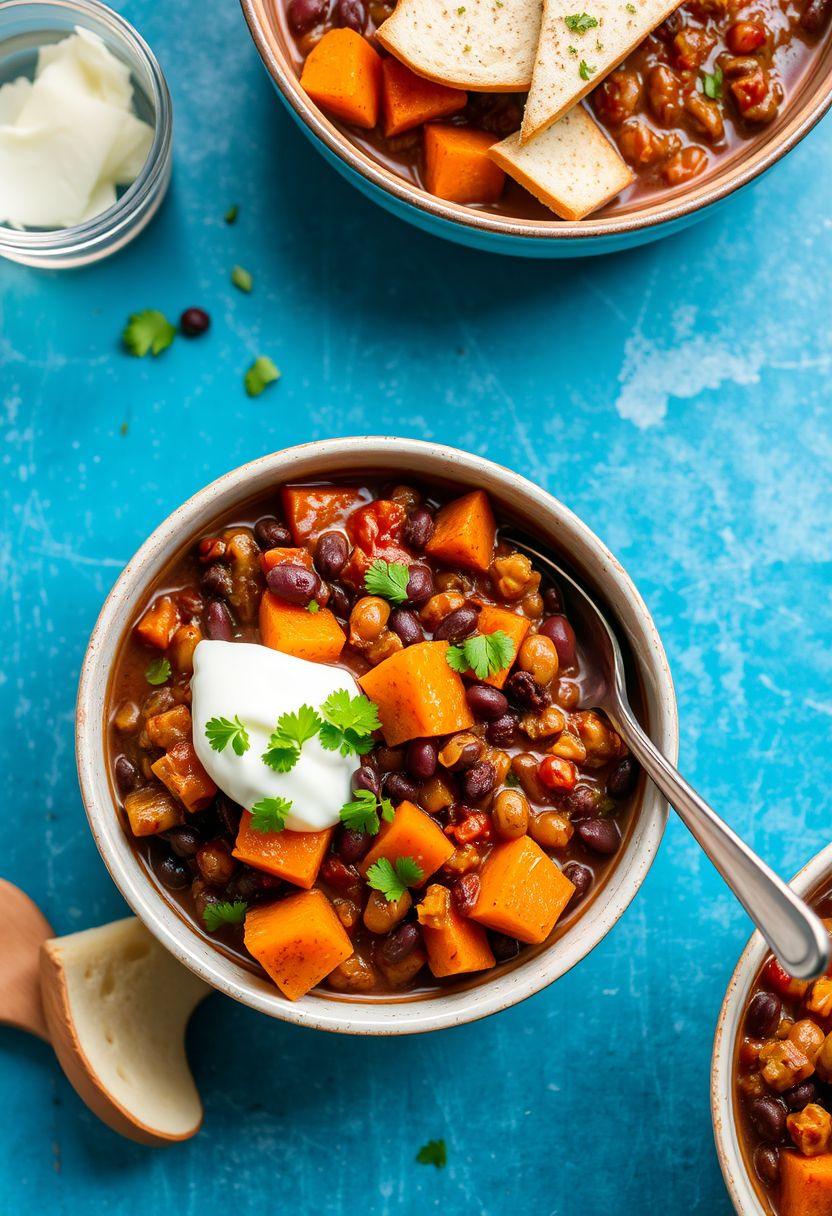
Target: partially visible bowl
745 1193
645 219
549 520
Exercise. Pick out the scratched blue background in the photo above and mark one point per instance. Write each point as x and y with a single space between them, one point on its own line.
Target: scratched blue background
677 397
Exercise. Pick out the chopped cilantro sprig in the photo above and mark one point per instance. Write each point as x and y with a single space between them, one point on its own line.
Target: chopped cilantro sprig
288 737
222 731
485 654
387 579
348 723
269 814
393 879
362 814
224 913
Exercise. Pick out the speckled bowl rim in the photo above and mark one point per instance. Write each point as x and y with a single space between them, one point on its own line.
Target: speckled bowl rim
384 456
740 1186
736 174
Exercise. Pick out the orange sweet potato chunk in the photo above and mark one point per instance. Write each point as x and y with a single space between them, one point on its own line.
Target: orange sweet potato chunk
417 694
454 944
295 856
342 74
458 167
409 100
180 769
294 630
464 533
410 833
298 941
522 891
310 510
157 626
276 557
491 619
805 1184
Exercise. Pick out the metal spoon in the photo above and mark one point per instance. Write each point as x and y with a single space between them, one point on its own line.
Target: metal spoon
795 934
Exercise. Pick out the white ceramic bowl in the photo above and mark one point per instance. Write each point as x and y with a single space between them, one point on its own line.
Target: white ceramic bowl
512 495
740 1184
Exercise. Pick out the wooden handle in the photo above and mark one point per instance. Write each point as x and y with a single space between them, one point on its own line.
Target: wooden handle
26 928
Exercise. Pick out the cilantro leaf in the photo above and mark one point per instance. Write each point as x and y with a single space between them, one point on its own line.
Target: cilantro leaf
485 654
269 814
361 815
433 1153
393 880
148 331
712 84
242 279
261 374
158 672
224 913
221 731
288 737
348 723
579 23
387 579
231 214
585 71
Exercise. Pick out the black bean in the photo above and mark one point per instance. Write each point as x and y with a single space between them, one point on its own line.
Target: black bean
216 581
486 702
218 625
763 1016
229 814
304 14
400 788
249 885
522 686
194 322
294 583
479 780
421 759
580 877
815 15
767 1163
800 1095
419 584
558 630
501 732
406 624
599 835
366 778
126 774
457 625
622 779
340 601
552 599
185 842
351 14
172 871
352 845
269 532
465 893
769 1118
331 552
582 803
502 947
401 942
419 529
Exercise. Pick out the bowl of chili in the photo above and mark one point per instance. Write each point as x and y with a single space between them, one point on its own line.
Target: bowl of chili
221 571
771 1076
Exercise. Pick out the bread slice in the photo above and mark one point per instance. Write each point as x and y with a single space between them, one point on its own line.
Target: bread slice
486 46
570 62
572 167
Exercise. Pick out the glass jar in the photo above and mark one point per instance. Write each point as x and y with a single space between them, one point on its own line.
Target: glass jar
26 25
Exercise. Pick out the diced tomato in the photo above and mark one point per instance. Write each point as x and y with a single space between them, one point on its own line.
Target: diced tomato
310 510
776 977
376 532
475 826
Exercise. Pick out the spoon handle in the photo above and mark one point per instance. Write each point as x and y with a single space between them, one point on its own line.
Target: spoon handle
795 934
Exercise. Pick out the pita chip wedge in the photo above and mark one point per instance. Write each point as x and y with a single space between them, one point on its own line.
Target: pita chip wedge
573 56
571 167
486 46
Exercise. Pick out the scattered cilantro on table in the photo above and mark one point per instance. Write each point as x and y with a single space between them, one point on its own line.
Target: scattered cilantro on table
231 214
148 331
242 279
260 375
433 1153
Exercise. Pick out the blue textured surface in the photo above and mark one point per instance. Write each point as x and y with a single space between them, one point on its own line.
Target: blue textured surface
676 397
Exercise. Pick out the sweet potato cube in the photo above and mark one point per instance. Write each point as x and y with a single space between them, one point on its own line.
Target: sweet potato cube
298 941
805 1184
152 810
417 694
174 725
464 533
490 620
310 510
180 769
522 891
342 74
410 833
276 557
157 626
295 630
295 856
409 100
458 167
454 944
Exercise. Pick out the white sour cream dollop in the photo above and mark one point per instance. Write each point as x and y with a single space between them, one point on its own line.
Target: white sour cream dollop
257 685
